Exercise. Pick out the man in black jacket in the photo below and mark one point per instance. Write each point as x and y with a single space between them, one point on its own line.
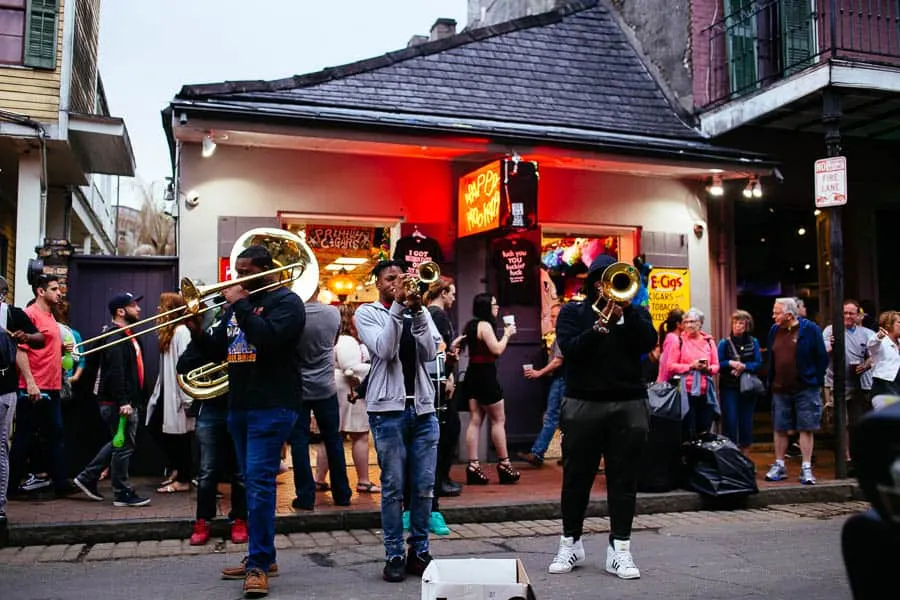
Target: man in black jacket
119 387
604 414
258 336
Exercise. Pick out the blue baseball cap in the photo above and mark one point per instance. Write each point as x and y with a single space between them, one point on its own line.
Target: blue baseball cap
122 300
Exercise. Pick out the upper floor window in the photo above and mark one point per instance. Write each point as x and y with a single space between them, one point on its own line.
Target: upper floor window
28 32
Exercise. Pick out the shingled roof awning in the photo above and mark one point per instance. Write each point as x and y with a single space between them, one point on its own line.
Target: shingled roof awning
569 76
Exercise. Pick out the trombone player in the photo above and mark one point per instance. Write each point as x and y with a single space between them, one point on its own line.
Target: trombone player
604 411
258 336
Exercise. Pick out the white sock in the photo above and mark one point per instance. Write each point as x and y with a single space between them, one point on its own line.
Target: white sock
779 462
806 465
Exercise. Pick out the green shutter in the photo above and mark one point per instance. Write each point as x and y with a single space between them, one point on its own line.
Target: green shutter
796 35
40 33
741 45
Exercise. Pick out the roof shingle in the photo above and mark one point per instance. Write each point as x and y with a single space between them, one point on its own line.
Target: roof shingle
573 67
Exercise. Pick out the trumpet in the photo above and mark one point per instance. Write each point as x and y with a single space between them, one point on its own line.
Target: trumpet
426 273
619 282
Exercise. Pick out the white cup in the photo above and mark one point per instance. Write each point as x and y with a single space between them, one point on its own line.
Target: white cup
528 366
509 320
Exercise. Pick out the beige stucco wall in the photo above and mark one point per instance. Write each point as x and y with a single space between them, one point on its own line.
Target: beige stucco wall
260 182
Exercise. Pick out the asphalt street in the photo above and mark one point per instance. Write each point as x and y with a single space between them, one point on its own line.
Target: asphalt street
700 556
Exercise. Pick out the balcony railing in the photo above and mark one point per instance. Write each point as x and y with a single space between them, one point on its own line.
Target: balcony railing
761 41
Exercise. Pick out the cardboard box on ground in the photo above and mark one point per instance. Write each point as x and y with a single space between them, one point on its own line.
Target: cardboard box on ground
476 579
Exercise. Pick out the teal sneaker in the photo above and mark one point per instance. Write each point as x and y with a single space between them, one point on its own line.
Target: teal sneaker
406 520
437 525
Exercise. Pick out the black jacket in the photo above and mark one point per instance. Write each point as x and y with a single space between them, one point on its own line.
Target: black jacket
258 337
118 374
603 366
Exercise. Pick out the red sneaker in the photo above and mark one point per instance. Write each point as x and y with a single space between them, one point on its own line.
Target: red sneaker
200 534
239 532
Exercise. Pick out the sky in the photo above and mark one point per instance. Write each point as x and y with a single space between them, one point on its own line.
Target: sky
150 48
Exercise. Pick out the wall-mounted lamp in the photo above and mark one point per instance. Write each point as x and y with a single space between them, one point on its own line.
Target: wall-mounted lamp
207 147
716 188
757 189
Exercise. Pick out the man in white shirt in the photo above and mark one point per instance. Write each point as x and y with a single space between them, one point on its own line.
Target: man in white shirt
858 381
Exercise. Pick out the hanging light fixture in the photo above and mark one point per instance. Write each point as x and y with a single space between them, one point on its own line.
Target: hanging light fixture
716 189
341 285
748 189
208 146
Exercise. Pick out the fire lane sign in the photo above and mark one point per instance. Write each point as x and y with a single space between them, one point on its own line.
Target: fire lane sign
831 182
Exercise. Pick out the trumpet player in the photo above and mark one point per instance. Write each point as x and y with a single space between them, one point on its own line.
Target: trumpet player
604 414
258 337
401 339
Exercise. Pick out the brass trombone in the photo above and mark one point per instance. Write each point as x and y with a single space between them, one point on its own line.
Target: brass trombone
195 296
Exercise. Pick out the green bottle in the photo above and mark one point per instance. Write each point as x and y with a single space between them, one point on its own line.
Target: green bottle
119 438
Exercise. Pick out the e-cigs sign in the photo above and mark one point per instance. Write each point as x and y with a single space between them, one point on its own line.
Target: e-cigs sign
831 182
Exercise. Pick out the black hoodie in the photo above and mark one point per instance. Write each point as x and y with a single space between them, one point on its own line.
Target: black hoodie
258 337
603 366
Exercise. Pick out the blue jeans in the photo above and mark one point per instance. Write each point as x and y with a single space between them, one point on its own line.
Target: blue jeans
737 415
118 459
551 416
258 436
406 444
217 458
329 421
39 432
698 419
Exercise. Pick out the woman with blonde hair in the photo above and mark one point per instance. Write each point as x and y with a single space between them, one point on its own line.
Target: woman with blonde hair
738 353
166 411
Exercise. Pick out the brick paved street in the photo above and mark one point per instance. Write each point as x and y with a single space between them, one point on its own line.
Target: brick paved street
782 552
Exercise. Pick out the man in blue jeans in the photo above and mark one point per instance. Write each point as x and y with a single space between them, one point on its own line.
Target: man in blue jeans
258 336
555 395
316 349
401 338
797 363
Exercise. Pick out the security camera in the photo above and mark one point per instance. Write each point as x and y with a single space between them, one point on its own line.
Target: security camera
182 119
192 199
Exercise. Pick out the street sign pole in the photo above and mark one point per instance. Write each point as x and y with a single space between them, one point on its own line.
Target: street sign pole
831 115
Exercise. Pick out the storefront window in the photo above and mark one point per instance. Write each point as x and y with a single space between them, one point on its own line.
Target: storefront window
567 259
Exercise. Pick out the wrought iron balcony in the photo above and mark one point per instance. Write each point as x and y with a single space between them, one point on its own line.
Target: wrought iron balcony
762 41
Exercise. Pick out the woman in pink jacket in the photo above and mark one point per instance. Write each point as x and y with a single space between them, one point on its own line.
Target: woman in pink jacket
669 336
696 359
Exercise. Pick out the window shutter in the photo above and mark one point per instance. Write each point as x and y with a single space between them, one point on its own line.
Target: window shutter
741 45
40 33
796 35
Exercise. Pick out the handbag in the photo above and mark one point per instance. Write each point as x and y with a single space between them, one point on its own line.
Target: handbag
748 383
665 400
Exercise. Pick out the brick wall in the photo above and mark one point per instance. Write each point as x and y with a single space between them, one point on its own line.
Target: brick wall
703 14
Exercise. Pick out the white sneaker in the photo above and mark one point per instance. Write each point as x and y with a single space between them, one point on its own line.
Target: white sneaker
570 554
619 561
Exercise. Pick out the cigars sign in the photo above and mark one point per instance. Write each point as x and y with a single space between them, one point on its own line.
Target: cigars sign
499 195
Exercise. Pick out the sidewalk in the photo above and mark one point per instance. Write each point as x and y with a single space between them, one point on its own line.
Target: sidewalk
535 497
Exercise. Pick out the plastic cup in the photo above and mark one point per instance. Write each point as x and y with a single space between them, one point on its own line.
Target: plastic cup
509 320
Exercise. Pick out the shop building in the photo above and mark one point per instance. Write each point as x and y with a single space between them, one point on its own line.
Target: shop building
539 141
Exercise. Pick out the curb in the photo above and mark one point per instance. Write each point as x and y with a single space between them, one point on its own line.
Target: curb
97 532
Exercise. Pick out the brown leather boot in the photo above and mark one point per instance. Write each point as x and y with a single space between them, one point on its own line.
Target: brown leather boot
240 571
256 584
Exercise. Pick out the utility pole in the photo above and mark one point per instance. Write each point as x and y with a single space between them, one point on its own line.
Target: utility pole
831 117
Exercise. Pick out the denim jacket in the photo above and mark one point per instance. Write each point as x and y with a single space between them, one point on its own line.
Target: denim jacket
380 329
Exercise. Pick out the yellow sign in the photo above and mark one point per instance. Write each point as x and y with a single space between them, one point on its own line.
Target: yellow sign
668 289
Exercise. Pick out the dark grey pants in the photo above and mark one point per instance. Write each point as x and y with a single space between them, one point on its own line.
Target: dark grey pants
615 430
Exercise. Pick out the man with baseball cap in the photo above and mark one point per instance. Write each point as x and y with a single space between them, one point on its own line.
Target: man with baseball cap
119 387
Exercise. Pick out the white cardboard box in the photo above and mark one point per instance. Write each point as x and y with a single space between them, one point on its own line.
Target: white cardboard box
476 579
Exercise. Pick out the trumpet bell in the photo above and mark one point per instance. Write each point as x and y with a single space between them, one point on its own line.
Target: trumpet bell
619 282
426 273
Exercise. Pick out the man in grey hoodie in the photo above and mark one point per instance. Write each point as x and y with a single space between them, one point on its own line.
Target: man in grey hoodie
401 338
